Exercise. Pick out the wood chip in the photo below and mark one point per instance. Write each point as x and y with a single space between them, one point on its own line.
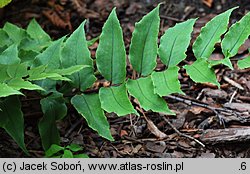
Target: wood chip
242 107
225 135
233 83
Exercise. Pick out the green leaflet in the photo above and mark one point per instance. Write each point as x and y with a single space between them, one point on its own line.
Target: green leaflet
5 40
18 84
4 3
244 63
70 70
236 36
67 154
51 56
12 120
201 72
110 54
41 72
89 107
27 56
7 91
10 56
36 32
53 150
54 108
115 99
16 70
210 35
226 61
143 90
143 48
3 73
92 41
166 82
74 147
174 43
15 33
76 52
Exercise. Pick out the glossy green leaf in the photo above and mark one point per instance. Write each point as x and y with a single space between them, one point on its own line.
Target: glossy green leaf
36 32
201 72
236 36
67 154
5 40
89 106
17 70
7 90
143 47
226 61
74 147
12 119
18 84
211 34
15 33
10 56
115 99
41 72
51 56
166 82
75 52
143 90
54 108
53 150
110 54
244 63
4 3
27 56
3 73
174 43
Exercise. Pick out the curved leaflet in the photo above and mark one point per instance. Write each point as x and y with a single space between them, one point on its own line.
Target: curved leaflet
201 72
115 99
143 90
7 90
89 107
244 63
110 54
54 108
76 52
10 56
174 43
143 48
166 82
236 36
12 120
210 35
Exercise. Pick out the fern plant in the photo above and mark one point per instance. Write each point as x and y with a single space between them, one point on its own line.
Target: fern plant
30 60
